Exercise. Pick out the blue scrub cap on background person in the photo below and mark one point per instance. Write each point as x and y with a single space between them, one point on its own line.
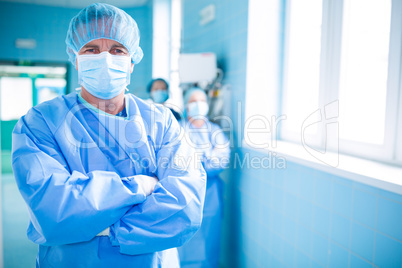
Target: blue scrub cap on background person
189 92
103 21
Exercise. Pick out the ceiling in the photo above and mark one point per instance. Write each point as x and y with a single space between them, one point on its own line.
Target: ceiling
80 3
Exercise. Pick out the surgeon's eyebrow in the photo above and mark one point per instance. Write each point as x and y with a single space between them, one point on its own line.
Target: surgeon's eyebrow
119 46
90 45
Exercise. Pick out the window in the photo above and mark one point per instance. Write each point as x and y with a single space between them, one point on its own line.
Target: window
341 76
12 105
263 61
166 47
364 66
302 59
24 86
175 39
161 39
36 83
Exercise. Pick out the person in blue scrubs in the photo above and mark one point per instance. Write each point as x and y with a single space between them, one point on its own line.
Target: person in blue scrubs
213 149
108 178
158 89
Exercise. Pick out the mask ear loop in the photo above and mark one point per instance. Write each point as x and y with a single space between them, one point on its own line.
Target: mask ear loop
77 89
76 58
76 64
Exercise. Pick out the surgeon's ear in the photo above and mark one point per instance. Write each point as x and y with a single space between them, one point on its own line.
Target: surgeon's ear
132 68
76 64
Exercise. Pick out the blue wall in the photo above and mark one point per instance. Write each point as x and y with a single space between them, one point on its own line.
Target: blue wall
302 217
143 71
296 216
48 26
226 36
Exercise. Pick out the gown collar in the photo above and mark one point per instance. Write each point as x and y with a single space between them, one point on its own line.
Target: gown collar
123 114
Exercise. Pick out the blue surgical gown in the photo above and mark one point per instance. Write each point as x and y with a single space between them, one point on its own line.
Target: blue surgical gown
213 149
76 168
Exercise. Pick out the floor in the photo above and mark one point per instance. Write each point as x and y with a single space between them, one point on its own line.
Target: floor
18 250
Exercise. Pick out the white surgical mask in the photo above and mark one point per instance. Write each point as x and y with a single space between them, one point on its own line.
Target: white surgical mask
104 75
197 108
159 95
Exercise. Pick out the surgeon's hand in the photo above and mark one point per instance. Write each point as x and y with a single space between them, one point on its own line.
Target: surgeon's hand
147 183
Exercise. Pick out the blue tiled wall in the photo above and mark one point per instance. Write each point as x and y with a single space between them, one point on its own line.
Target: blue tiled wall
226 36
301 217
48 26
143 71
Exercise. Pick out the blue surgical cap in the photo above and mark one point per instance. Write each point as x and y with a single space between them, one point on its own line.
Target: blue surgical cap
189 92
103 21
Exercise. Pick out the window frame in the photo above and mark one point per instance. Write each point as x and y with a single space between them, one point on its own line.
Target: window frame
329 78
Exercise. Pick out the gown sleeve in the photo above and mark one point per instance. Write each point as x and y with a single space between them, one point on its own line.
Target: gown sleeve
65 207
216 159
173 212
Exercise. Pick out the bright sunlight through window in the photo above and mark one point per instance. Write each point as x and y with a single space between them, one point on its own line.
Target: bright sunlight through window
302 64
364 70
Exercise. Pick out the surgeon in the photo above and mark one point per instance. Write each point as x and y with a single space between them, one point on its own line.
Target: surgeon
107 178
213 148
159 91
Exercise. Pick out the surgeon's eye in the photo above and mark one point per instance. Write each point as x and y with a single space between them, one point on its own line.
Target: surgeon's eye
119 51
90 51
